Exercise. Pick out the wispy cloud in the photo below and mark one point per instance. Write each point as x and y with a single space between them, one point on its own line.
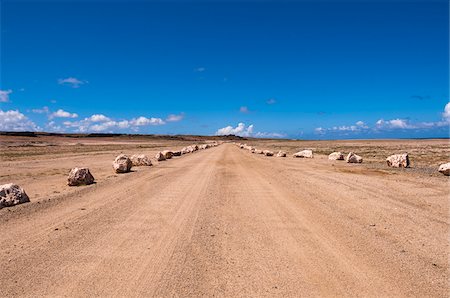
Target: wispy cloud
14 120
244 110
71 81
271 101
62 114
43 110
200 69
4 95
175 118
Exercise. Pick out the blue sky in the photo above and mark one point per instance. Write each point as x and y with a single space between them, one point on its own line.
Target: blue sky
297 69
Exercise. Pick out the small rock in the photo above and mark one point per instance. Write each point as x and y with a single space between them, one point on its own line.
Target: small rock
336 156
160 156
445 169
353 158
304 154
12 194
167 154
80 176
268 153
281 154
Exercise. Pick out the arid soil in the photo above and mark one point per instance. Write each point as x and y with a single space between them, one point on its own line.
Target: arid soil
223 222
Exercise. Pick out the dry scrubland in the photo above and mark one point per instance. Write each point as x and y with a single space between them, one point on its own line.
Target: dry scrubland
225 222
425 155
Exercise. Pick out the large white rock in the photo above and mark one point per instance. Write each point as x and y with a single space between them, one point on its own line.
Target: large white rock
80 176
336 156
122 164
304 154
281 154
160 156
167 154
445 169
140 160
353 158
398 161
12 194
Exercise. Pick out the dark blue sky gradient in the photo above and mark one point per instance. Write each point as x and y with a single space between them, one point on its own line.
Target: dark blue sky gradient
326 64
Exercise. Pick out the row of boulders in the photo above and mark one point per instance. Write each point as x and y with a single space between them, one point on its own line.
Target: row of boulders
123 164
12 194
395 161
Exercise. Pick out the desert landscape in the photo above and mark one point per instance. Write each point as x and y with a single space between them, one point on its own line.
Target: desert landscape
224 221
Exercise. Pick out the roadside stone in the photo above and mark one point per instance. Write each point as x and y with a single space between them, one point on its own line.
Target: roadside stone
398 161
353 158
304 154
122 164
445 169
336 156
80 176
12 194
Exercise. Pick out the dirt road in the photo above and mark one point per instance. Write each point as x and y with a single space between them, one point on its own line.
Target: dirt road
224 222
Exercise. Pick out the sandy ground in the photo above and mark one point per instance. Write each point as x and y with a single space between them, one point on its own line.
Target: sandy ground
223 222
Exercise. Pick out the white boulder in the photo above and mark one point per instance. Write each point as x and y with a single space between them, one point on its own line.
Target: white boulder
445 169
80 176
353 158
122 164
281 154
304 154
12 194
167 154
398 161
140 160
336 156
268 153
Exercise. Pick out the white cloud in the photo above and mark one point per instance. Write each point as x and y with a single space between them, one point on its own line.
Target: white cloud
239 130
395 124
361 124
175 118
100 122
71 81
63 114
200 69
99 118
246 131
14 120
446 113
271 101
53 127
4 95
244 110
141 121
